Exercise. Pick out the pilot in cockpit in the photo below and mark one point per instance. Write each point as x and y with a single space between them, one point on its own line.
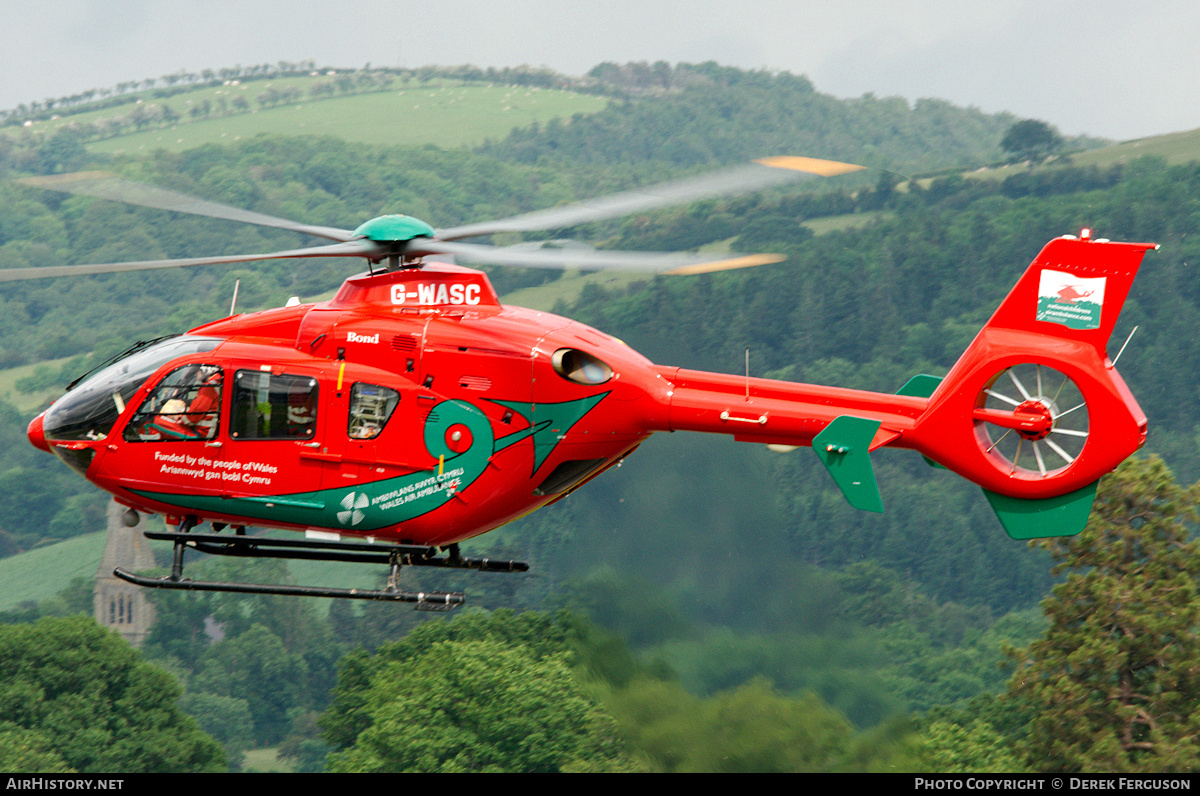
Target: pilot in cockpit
192 405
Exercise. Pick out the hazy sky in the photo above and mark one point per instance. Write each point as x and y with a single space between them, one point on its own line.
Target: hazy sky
1113 68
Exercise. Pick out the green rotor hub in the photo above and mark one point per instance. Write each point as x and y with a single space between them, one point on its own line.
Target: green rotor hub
387 229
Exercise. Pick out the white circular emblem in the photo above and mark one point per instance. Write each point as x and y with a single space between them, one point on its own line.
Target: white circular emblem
353 503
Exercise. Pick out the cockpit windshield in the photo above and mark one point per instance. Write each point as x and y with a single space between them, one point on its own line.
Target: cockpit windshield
89 410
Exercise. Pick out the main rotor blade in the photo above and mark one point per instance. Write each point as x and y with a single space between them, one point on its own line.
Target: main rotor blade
105 185
353 248
591 259
746 178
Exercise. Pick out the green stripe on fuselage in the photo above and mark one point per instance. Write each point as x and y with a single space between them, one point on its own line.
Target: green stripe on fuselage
380 504
548 423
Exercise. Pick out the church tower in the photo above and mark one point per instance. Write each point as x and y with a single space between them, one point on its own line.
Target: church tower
118 604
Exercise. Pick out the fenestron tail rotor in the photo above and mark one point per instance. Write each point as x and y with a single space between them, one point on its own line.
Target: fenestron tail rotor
403 240
1033 390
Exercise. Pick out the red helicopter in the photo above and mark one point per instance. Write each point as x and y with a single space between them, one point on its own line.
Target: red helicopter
414 410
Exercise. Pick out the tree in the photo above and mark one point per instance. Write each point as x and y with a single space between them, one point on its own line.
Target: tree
25 751
1114 683
227 719
255 666
63 152
73 691
1031 140
751 728
481 706
951 748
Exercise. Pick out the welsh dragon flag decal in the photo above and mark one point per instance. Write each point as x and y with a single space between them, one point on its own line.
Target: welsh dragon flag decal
1070 300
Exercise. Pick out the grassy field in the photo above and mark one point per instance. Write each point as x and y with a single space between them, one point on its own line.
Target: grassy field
43 572
265 761
448 115
820 226
29 402
1174 148
567 287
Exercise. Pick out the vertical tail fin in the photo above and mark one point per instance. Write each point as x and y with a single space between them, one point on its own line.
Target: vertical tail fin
1034 409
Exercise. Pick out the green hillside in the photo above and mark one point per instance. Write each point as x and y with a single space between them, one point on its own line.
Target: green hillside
704 113
29 400
40 574
448 116
1174 148
446 113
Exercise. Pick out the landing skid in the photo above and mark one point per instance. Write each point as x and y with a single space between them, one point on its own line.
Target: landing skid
394 555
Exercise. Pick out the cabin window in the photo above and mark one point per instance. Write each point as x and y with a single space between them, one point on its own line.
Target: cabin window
185 405
272 406
370 408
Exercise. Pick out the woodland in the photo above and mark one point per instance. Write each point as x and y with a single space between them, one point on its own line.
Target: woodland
709 606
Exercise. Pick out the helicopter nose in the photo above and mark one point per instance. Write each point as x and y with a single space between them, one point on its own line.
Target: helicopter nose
37 436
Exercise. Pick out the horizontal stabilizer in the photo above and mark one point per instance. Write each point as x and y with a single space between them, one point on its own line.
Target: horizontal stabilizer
1065 515
844 448
921 386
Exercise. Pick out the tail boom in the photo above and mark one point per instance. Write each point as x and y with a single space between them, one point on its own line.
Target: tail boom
779 412
1034 411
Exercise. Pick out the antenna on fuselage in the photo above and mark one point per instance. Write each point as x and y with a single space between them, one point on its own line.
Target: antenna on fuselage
747 373
233 303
